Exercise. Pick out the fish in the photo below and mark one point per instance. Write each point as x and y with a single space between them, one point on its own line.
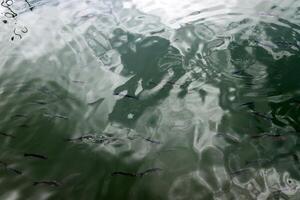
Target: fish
238 172
60 116
228 137
124 174
40 102
55 116
139 174
33 155
30 6
23 125
7 135
158 31
18 172
5 165
50 183
76 81
149 171
152 141
278 194
259 114
81 138
258 161
126 95
250 105
277 136
19 116
96 102
166 82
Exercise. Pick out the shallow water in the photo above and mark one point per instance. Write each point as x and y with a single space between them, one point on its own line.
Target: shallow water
151 99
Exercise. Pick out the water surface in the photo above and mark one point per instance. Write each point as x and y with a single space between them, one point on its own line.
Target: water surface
152 99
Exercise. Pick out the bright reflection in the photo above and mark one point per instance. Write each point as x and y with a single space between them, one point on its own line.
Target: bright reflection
172 10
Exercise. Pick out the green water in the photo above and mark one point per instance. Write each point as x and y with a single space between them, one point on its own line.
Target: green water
149 99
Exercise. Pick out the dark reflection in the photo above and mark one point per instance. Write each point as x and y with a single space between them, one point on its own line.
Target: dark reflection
261 94
20 169
147 61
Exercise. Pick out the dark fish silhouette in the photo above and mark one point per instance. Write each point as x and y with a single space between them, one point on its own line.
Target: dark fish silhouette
238 172
23 125
18 172
152 141
33 155
166 82
5 165
96 102
275 136
139 174
81 138
259 114
228 137
148 171
156 32
7 135
126 95
258 162
40 102
278 194
4 21
19 116
76 81
30 6
55 116
49 183
250 105
124 174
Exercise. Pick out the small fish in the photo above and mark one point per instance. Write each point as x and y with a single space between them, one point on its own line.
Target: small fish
76 81
124 174
96 102
295 157
61 116
81 138
158 31
250 105
33 155
30 6
18 172
23 125
238 72
139 174
268 135
228 137
259 114
149 171
295 100
166 82
4 164
152 141
40 102
19 116
258 161
4 21
50 183
238 172
126 95
279 194
55 116
7 135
